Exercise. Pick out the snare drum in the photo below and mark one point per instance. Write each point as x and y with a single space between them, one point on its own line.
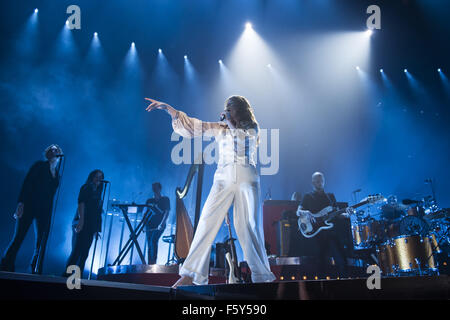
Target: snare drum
407 255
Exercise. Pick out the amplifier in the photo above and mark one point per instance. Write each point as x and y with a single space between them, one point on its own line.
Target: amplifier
272 214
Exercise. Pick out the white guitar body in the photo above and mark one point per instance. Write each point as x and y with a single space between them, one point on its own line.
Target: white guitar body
328 225
311 224
305 225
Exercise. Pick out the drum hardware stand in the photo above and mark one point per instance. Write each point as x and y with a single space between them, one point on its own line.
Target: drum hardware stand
374 258
433 252
431 183
395 268
418 265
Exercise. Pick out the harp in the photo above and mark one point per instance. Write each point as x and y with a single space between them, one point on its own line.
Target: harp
184 228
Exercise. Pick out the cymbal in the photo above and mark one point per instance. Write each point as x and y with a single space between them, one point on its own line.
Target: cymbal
444 213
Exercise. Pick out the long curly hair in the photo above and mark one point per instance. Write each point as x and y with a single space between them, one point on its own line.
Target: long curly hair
245 111
91 177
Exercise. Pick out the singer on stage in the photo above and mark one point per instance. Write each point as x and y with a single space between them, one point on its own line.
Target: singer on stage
35 203
87 222
236 182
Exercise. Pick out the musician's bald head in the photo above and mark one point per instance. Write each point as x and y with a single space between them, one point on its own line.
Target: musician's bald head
318 181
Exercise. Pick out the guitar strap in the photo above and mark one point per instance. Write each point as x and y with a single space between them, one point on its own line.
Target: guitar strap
329 199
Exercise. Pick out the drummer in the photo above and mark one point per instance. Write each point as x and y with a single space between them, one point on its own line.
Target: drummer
392 210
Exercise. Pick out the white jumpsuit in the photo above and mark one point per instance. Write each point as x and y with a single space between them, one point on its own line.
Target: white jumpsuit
236 182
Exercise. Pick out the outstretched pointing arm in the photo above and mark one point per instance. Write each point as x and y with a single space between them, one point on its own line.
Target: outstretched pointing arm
184 125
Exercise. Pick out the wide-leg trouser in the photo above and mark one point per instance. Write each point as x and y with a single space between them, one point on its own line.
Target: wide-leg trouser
236 185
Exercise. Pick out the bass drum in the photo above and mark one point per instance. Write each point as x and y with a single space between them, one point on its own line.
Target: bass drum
414 225
406 255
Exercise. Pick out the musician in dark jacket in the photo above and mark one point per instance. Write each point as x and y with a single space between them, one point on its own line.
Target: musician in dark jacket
157 222
35 203
87 222
329 241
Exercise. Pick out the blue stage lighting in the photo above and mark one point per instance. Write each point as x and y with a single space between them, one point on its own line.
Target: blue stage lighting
369 33
132 44
381 70
439 70
36 10
220 61
159 50
95 34
405 70
185 57
248 25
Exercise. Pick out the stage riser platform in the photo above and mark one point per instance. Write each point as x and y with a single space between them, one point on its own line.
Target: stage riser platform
402 288
33 287
15 286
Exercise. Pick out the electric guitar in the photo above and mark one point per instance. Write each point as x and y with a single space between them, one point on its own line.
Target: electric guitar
322 220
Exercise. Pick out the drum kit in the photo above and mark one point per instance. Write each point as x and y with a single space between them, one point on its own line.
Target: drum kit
403 239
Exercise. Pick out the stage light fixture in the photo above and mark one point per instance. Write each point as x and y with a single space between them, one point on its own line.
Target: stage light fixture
369 32
36 10
357 68
159 50
439 70
185 57
405 70
248 25
133 44
220 61
381 70
95 34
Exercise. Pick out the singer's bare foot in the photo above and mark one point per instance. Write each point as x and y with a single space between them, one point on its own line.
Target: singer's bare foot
183 281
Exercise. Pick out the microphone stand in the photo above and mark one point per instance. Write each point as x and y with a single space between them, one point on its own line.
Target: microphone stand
431 183
355 198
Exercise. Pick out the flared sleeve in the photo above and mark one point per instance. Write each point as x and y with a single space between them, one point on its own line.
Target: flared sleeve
189 127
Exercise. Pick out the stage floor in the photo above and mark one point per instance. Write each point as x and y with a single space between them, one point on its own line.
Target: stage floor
17 286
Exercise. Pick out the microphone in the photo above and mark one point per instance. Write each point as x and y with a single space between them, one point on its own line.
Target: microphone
104 181
222 117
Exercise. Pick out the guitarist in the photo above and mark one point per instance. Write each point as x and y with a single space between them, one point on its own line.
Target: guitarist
330 243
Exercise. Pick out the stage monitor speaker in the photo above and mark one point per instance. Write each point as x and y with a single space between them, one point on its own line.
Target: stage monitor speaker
284 229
